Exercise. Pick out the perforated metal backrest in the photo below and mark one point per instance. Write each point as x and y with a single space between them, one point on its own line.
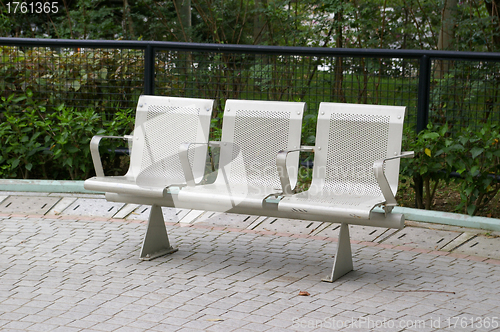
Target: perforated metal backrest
349 138
253 132
162 125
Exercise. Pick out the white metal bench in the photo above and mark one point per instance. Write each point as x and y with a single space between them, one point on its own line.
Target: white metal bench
356 170
162 124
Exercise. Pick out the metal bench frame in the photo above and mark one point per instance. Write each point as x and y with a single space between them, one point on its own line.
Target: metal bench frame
376 173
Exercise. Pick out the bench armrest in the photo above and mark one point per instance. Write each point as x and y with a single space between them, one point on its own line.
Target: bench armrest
184 158
283 171
378 169
214 143
94 151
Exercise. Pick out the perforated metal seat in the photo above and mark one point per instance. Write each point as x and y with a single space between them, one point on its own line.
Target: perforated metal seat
350 138
253 133
162 125
356 168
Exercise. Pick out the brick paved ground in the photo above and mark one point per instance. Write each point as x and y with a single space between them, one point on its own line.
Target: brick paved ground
83 274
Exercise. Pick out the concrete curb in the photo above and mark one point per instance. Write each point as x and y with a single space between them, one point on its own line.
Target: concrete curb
447 218
436 217
46 186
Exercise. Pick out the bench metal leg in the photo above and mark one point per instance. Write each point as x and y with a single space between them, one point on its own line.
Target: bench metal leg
156 241
343 258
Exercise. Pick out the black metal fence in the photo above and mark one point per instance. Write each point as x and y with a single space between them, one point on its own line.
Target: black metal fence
436 86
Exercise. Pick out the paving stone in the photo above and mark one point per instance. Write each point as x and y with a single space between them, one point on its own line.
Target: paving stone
61 205
358 233
92 207
169 214
481 246
35 205
430 239
126 210
241 221
293 226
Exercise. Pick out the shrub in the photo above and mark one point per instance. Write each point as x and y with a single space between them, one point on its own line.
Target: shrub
53 145
476 158
428 168
472 154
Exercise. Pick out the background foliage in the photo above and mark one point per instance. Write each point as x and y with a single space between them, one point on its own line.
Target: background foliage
54 145
472 25
466 155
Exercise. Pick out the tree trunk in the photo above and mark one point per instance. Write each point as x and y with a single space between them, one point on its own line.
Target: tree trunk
446 35
183 8
259 23
127 19
493 7
419 193
338 92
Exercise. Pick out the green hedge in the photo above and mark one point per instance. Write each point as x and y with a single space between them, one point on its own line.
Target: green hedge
53 145
468 155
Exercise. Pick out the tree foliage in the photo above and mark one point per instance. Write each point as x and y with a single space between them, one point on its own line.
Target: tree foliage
474 25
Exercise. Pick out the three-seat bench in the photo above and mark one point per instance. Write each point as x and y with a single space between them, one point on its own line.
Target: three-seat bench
355 172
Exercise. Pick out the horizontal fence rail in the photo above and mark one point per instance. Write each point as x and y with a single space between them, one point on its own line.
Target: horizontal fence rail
460 88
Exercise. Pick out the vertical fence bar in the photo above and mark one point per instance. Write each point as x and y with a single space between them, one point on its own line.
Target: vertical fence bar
422 114
149 70
423 93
